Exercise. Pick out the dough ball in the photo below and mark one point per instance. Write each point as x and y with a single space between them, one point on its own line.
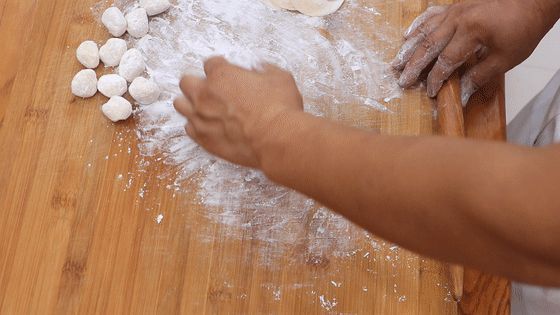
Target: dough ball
132 65
112 85
88 54
317 7
137 21
114 21
112 52
117 108
155 7
144 91
84 83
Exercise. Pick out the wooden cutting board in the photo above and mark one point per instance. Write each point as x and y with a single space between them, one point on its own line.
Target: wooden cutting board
73 241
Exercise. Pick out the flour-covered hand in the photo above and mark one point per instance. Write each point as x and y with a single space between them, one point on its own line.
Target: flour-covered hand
232 109
500 33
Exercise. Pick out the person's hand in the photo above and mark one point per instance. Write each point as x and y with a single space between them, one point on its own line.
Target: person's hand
500 33
232 108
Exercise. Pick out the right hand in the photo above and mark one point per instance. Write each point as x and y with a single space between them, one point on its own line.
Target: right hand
500 33
231 112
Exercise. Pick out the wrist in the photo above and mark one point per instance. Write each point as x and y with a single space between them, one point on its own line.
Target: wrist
270 144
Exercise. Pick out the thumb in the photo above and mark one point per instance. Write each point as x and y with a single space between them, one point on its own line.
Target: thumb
478 76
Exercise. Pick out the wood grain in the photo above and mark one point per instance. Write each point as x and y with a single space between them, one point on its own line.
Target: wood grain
486 108
451 123
75 239
485 119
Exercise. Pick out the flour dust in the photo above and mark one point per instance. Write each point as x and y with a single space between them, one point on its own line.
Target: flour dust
337 61
335 64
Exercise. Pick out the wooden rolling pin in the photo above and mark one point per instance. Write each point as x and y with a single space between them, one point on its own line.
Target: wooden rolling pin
452 123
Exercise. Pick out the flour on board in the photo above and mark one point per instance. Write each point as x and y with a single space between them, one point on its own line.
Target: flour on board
335 63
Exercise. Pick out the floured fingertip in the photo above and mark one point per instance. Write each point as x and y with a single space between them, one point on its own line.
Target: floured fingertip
468 88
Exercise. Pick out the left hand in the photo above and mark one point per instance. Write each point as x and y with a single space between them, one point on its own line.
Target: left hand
499 33
232 109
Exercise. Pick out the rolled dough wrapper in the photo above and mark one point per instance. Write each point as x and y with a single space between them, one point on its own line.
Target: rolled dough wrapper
317 7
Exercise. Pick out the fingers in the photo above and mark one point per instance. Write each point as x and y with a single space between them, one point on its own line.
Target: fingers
219 67
191 86
270 68
479 75
422 18
198 127
203 105
457 52
430 48
415 41
407 49
214 63
184 107
191 131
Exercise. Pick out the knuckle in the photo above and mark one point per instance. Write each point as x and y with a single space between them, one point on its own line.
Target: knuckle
476 79
204 96
429 41
423 30
456 11
446 62
213 64
287 77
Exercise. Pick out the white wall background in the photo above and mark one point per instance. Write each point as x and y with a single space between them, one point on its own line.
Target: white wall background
529 78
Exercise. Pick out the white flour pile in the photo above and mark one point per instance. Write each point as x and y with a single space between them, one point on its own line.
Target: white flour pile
335 64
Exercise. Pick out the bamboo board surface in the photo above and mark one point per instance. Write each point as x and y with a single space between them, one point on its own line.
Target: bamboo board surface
72 241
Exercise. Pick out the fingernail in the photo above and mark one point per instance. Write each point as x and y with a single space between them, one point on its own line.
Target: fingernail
406 51
433 89
468 88
396 63
434 85
408 77
402 81
409 30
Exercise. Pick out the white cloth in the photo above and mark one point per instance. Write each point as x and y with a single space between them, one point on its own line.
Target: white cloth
538 124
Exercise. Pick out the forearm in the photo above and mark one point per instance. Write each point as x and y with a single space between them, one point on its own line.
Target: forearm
479 198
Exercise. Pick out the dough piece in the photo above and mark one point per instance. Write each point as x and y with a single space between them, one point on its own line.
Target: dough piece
117 108
137 21
84 83
112 52
88 54
112 85
114 21
155 7
132 65
144 91
317 7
